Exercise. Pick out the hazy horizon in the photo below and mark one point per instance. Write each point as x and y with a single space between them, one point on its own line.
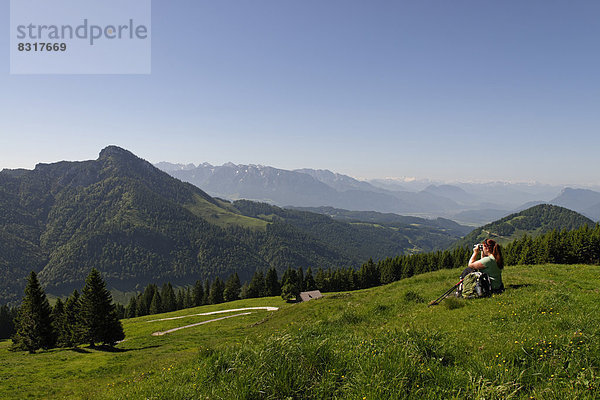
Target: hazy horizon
391 179
448 91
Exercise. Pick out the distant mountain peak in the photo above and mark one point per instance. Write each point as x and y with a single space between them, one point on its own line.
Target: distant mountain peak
115 151
168 167
571 191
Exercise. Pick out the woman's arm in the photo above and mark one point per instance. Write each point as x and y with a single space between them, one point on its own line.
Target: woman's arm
473 262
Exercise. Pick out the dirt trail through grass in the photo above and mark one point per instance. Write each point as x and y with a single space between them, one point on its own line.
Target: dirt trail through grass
212 320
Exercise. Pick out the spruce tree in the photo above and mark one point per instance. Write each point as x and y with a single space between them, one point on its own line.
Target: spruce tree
167 295
205 299
198 293
309 281
257 287
245 290
188 301
34 320
130 311
147 297
180 299
232 289
290 288
272 283
140 306
98 313
300 276
320 280
58 318
120 311
216 291
156 304
7 324
71 330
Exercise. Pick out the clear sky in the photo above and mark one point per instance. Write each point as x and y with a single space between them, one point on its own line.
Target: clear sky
448 90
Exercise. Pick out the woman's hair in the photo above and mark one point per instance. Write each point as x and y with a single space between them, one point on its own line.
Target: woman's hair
494 248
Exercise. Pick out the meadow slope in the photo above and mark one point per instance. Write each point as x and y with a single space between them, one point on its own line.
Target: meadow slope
540 340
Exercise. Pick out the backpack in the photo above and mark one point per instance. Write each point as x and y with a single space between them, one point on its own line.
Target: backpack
475 284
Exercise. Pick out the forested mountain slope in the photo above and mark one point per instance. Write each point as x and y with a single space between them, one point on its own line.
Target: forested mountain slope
532 221
138 225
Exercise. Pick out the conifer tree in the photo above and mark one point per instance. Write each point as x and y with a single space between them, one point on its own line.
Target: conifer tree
98 313
34 320
309 281
300 276
205 298
320 280
369 274
198 293
189 299
272 283
7 325
290 288
257 286
147 297
140 307
244 291
216 291
71 329
156 304
58 317
232 288
130 311
120 310
180 299
167 295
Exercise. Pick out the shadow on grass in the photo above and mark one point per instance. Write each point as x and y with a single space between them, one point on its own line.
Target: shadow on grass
519 286
79 350
108 349
111 349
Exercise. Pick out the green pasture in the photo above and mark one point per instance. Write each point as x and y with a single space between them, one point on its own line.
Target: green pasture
538 340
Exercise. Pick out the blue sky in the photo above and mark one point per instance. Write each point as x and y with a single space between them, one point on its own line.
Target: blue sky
447 90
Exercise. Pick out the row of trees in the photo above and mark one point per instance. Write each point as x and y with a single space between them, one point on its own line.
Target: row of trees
87 318
7 318
71 325
153 300
579 246
567 247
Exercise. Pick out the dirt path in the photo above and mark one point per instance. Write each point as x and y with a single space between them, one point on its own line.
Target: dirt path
212 320
218 312
199 323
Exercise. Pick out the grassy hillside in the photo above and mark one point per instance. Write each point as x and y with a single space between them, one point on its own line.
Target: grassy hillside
222 215
540 339
533 221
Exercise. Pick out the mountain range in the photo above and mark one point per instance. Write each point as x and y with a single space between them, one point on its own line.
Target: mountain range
467 203
139 225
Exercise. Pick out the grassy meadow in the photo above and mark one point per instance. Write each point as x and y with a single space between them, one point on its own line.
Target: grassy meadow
538 340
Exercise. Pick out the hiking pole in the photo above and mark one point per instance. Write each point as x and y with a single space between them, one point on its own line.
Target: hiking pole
446 294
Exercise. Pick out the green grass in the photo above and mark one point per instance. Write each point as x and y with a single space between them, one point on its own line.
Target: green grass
540 339
222 216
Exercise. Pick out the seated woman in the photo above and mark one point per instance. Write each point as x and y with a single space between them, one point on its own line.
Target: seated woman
491 263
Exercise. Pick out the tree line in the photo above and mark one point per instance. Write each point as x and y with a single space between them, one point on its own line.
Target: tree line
579 246
88 318
155 300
